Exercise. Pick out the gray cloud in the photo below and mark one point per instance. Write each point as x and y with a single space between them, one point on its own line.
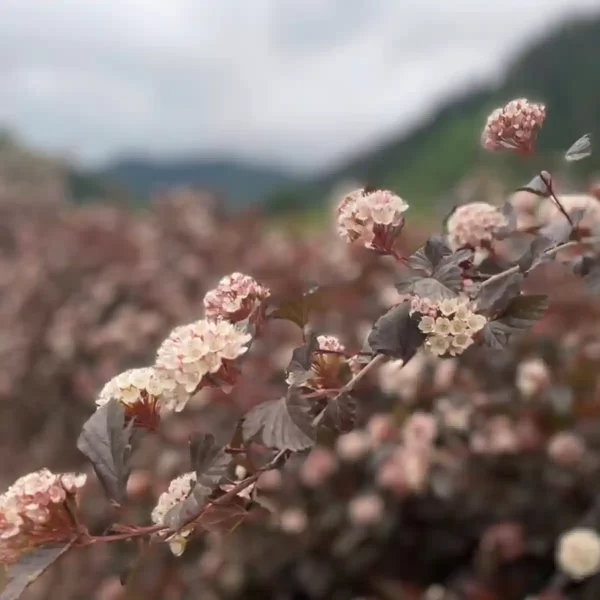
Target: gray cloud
297 81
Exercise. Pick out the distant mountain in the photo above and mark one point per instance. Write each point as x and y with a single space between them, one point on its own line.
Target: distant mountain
562 70
239 183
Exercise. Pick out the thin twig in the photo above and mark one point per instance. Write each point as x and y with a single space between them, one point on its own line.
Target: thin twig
379 358
551 252
242 485
549 188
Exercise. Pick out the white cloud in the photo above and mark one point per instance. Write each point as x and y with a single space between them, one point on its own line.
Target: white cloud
297 81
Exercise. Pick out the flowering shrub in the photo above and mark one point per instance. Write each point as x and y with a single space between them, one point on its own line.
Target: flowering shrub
467 473
474 224
514 127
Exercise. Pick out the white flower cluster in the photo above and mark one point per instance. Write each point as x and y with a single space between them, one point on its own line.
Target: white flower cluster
407 468
474 225
578 553
203 348
179 489
146 387
236 298
362 216
194 355
449 324
32 510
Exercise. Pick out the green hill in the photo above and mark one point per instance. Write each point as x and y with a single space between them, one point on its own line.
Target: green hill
562 70
240 183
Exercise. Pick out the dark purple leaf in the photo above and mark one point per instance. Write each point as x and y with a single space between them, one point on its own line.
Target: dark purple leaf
432 289
558 231
16 578
581 149
448 270
492 266
406 284
211 464
299 369
222 518
538 185
496 296
535 254
428 257
397 334
283 424
521 314
298 306
340 414
209 460
106 442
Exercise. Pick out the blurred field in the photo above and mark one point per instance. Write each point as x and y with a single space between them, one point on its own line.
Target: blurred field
89 291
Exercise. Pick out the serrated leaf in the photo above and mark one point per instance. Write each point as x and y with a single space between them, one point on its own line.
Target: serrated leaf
16 578
535 254
427 258
493 266
448 270
397 334
299 370
538 186
581 149
209 460
407 283
433 289
496 335
284 424
340 414
298 306
558 231
222 518
211 463
106 442
520 315
496 296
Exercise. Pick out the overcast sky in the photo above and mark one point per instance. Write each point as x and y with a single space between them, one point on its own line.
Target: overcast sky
299 82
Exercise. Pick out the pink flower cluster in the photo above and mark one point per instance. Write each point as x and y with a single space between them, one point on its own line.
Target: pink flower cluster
474 225
37 510
237 297
449 324
202 353
407 468
514 127
372 219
